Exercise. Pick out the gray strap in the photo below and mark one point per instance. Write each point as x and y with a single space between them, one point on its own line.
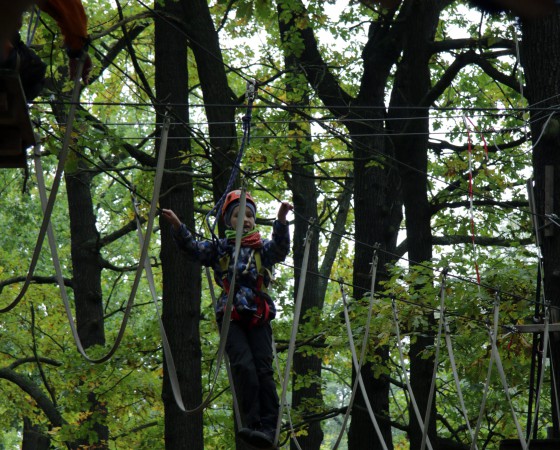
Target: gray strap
374 263
405 370
541 378
295 324
502 374
488 377
47 210
143 256
432 393
228 368
358 368
457 380
171 369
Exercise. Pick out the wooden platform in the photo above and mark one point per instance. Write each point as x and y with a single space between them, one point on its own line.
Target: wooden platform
16 132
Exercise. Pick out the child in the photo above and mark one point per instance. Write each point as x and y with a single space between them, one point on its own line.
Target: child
249 342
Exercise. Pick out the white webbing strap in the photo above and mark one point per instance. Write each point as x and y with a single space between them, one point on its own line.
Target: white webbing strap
374 262
48 208
502 374
228 368
405 370
292 435
171 369
358 369
488 376
541 377
144 254
432 392
457 380
295 324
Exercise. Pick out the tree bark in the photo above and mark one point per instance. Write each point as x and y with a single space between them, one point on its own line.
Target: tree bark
181 274
540 56
412 85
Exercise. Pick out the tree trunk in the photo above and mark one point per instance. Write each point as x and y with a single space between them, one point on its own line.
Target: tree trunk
86 269
540 56
181 274
412 84
33 437
308 399
205 45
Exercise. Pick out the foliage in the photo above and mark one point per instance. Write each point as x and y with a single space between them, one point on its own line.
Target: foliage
117 115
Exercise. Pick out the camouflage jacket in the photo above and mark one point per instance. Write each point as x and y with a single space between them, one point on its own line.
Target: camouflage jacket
211 254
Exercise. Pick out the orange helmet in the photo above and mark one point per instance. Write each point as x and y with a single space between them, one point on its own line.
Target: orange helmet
233 199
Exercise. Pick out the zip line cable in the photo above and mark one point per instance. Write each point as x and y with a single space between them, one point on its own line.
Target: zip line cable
547 122
127 185
548 109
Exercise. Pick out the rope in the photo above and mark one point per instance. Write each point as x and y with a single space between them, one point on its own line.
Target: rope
33 23
295 324
48 209
215 211
171 369
374 262
471 200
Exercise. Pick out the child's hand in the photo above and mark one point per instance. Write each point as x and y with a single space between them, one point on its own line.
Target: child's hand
172 218
285 207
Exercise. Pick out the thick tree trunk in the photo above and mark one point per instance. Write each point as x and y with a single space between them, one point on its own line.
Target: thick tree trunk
181 275
218 97
376 193
412 84
308 399
540 56
86 269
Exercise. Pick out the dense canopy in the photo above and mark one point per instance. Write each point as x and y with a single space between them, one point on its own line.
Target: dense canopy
418 141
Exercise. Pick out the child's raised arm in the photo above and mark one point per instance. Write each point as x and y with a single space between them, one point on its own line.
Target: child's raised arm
172 218
285 207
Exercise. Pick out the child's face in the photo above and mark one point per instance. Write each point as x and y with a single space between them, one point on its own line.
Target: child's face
248 219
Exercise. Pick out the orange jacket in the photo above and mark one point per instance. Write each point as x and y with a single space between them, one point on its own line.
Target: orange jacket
71 18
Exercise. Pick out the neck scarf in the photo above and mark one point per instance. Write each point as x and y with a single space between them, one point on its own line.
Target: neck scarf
252 239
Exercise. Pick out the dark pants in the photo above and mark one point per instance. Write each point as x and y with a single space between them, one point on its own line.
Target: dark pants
250 356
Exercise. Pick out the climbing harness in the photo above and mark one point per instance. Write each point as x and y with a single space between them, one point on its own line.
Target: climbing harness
263 308
48 208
